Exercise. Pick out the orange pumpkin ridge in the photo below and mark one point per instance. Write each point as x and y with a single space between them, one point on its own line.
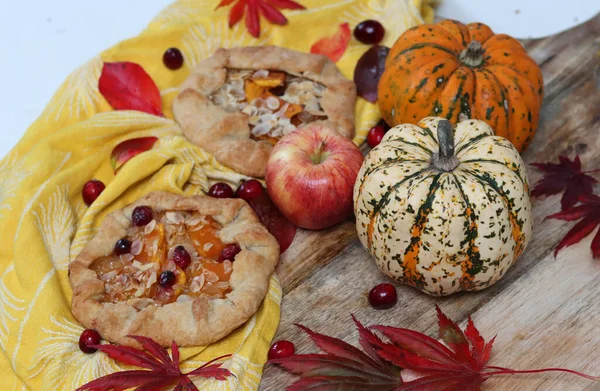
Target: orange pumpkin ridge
410 259
472 263
516 224
383 202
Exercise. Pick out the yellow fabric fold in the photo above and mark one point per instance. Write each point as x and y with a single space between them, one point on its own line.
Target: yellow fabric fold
44 222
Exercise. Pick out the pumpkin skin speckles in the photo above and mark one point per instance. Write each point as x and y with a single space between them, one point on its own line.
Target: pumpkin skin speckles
443 231
462 71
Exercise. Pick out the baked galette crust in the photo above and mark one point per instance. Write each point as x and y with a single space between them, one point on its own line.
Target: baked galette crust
200 321
226 134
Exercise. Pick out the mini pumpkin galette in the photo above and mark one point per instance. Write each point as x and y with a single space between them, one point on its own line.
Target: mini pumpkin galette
238 103
173 268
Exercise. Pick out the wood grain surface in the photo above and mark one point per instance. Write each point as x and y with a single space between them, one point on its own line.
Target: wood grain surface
545 311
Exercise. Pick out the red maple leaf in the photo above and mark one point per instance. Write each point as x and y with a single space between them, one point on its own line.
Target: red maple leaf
460 364
163 371
335 45
565 175
127 86
268 214
254 8
342 367
128 149
588 214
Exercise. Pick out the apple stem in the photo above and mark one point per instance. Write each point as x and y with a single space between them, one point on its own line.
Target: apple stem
445 160
319 156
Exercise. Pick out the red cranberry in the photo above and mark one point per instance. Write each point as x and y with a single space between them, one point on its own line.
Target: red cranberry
181 257
173 59
370 32
229 252
281 349
142 215
249 190
88 339
220 190
123 246
383 296
375 135
166 279
91 190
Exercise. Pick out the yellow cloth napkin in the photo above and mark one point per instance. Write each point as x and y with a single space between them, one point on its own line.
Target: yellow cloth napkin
44 222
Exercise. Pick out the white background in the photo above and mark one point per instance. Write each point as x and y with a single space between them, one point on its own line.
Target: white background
42 41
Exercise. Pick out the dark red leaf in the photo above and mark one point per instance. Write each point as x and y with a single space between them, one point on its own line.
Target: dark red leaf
454 338
578 186
443 382
270 217
163 372
126 379
214 371
135 357
370 343
574 213
589 199
335 45
287 4
596 245
156 385
565 175
420 345
572 192
253 18
128 149
126 86
336 383
343 366
508 371
175 352
310 365
578 232
206 364
187 385
368 71
589 213
488 350
253 9
477 343
405 359
155 349
272 14
440 369
338 347
574 165
237 12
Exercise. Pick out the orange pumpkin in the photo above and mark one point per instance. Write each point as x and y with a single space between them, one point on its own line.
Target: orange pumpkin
462 71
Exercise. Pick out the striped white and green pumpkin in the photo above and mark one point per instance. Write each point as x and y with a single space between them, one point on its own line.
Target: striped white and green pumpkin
440 215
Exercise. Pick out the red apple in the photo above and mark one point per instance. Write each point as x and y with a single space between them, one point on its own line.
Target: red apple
310 176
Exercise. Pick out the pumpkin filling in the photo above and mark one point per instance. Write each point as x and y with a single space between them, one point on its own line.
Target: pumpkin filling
277 103
175 257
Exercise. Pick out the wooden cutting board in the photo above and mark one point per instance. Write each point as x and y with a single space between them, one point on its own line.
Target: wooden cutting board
545 311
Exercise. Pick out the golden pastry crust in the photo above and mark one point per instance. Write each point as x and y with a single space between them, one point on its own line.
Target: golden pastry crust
227 134
200 321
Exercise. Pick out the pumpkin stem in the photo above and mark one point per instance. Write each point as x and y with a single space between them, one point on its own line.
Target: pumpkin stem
473 55
445 160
